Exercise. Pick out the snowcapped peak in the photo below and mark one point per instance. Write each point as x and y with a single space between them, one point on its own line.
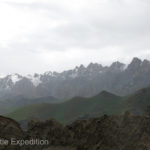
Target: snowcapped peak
36 75
52 74
2 75
48 73
35 79
15 78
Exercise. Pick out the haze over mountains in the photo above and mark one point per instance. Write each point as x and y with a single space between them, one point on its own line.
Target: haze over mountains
84 128
117 78
84 108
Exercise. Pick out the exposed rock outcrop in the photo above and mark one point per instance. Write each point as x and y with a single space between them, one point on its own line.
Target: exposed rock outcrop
9 130
125 132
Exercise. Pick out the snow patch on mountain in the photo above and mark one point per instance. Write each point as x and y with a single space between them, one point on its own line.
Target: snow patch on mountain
15 78
35 79
48 73
2 75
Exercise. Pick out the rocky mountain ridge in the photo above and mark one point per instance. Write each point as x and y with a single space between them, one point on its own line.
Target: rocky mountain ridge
84 81
124 132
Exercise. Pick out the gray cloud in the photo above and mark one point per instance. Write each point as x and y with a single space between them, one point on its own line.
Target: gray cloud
58 35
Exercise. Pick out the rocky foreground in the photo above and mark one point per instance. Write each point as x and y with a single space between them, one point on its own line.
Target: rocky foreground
126 132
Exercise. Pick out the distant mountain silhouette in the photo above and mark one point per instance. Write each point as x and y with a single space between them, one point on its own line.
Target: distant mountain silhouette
12 103
69 110
79 107
117 78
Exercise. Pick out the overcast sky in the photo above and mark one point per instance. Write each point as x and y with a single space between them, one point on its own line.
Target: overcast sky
43 35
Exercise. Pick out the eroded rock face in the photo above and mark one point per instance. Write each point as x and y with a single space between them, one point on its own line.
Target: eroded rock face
126 132
9 129
50 130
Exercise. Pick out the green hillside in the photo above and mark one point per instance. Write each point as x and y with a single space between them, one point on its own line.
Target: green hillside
103 103
78 107
138 102
12 103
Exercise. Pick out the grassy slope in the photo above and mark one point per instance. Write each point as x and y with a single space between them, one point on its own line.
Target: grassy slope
67 111
138 102
10 104
103 103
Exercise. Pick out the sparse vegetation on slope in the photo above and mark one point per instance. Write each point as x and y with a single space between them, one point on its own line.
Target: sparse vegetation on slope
84 108
103 103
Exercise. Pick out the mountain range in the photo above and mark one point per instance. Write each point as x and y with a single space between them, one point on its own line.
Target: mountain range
98 108
117 78
85 108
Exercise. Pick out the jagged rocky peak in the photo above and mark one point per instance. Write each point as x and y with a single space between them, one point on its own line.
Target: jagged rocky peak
35 79
135 64
14 78
146 62
94 67
36 75
117 66
15 75
136 60
77 68
48 73
80 70
94 78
